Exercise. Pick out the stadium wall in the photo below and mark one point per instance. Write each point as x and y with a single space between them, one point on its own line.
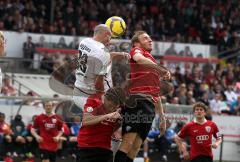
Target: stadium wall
15 42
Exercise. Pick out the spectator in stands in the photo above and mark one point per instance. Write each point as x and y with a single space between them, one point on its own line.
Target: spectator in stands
197 40
178 38
171 50
5 137
18 128
219 88
42 42
190 99
230 94
234 41
28 51
181 93
201 90
204 98
61 43
47 63
186 52
75 43
8 89
208 68
182 97
179 76
175 100
218 106
236 106
223 42
31 102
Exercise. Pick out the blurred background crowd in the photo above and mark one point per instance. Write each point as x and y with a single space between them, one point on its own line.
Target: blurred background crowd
200 22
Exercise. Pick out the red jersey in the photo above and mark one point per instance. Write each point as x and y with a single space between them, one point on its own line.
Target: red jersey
48 127
200 136
98 135
144 80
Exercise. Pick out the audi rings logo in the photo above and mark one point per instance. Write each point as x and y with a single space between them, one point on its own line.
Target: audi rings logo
202 138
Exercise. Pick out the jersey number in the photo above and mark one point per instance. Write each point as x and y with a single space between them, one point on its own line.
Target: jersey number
82 61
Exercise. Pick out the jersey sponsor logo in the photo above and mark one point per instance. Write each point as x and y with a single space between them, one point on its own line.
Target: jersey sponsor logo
54 120
89 109
208 129
49 125
202 138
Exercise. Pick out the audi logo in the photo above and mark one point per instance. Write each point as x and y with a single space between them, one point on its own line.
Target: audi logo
202 138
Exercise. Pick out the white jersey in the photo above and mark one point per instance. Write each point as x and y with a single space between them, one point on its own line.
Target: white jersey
93 60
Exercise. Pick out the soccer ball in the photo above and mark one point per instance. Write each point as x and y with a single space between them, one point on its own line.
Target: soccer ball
117 26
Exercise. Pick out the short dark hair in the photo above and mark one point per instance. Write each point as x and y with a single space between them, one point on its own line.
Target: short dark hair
2 115
200 104
47 101
136 35
116 95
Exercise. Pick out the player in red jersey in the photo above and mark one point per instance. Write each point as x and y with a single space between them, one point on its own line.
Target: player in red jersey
49 126
200 132
144 97
100 120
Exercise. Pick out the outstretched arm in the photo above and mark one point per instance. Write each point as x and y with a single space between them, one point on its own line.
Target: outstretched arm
140 59
119 55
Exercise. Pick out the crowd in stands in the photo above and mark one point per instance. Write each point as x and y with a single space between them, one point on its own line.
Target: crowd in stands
218 87
207 22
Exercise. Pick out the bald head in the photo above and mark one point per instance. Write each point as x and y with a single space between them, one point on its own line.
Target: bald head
1 44
101 28
102 34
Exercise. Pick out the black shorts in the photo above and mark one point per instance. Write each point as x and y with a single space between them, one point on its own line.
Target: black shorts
45 154
202 158
94 155
138 115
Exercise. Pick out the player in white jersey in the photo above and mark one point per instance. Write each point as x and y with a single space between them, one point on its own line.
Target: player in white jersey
93 73
2 46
